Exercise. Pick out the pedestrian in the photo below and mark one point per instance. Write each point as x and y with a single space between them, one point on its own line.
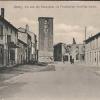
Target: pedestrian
73 61
63 60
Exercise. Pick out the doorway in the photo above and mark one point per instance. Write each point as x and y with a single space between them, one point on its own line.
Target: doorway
1 55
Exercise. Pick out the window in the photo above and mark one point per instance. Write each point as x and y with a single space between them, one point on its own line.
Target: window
6 27
8 38
11 30
1 32
12 55
77 57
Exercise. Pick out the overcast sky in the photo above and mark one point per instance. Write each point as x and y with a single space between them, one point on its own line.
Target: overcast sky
70 18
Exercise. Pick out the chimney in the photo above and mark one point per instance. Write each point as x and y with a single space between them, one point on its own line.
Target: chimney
27 28
2 12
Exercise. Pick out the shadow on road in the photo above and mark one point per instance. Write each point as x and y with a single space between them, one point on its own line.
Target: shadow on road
9 72
10 89
49 68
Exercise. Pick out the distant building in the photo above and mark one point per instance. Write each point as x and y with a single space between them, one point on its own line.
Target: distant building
45 53
29 45
92 50
69 52
22 50
77 53
8 42
59 51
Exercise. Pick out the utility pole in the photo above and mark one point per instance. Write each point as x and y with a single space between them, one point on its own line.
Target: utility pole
85 44
85 32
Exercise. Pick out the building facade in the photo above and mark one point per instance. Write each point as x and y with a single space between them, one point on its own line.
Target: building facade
45 53
59 51
22 50
92 50
75 53
78 53
69 52
17 46
8 42
34 48
28 41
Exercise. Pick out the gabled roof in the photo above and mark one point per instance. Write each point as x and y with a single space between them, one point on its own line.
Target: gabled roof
8 23
23 30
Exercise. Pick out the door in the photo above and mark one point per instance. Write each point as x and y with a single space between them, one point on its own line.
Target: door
1 55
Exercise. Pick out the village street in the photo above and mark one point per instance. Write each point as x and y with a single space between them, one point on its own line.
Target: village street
59 82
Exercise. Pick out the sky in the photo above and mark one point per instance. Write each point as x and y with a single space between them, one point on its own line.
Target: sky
70 17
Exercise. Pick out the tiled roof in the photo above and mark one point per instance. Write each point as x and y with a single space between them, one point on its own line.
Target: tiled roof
92 38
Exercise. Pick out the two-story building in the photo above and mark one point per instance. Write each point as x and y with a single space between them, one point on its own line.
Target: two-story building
8 42
28 44
22 51
92 50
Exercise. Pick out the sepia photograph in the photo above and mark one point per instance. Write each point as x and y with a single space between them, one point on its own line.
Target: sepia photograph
49 50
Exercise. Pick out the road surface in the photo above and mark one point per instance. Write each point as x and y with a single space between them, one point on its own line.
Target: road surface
67 82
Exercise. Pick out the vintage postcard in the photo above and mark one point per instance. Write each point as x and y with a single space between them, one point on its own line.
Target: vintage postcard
49 50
